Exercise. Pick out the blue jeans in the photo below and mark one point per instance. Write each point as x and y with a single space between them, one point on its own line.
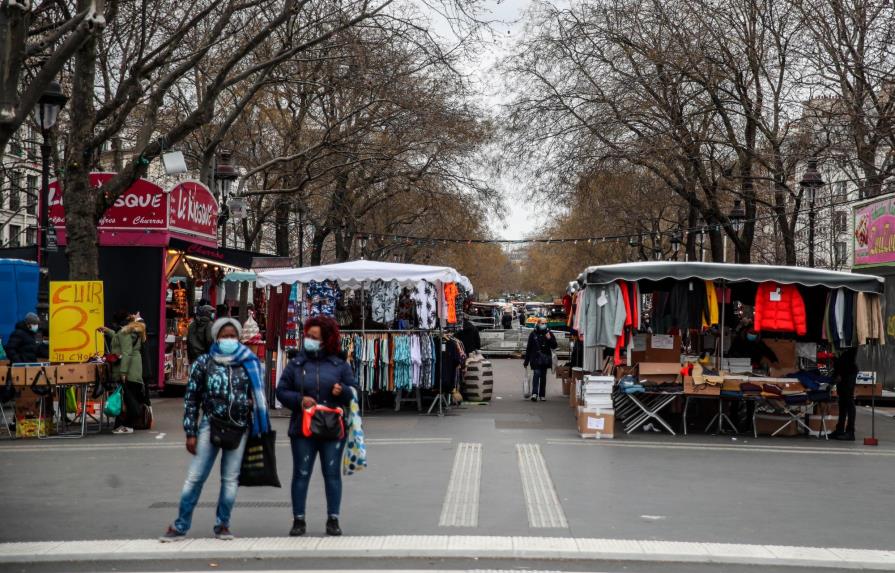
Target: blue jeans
304 452
203 461
539 382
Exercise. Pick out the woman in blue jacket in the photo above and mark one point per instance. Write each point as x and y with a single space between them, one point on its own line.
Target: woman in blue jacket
318 375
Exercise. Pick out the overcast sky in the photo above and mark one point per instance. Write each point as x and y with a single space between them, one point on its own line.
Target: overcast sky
518 217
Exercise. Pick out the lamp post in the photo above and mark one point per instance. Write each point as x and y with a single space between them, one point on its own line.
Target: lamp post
362 243
225 174
737 218
46 112
657 242
811 182
676 239
634 243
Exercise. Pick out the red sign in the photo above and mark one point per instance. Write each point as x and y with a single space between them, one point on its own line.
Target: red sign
193 212
140 209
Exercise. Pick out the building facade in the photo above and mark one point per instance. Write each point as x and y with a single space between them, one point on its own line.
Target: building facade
19 190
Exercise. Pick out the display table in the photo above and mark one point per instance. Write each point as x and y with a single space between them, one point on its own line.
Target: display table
636 409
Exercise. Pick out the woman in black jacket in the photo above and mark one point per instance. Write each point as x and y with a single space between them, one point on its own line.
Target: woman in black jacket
539 355
22 343
317 375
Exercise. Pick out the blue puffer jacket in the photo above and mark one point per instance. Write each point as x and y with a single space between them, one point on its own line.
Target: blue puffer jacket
315 378
220 390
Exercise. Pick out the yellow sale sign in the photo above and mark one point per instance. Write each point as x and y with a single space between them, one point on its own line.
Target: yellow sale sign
76 311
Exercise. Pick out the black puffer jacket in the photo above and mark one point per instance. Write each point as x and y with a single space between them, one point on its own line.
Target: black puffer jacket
22 344
538 352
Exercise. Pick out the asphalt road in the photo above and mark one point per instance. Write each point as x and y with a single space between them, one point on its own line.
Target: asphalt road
779 491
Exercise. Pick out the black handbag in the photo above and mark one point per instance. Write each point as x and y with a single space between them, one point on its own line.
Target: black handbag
225 434
259 462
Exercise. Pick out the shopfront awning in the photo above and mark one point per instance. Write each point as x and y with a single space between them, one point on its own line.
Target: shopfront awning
658 271
233 258
355 273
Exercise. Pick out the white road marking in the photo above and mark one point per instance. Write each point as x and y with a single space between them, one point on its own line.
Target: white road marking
161 436
461 502
541 501
125 444
747 448
448 547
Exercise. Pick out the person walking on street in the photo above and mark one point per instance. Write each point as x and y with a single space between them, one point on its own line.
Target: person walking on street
845 371
539 355
22 344
198 336
127 345
317 375
224 402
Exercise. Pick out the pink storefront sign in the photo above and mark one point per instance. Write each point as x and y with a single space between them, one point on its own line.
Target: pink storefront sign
193 213
137 217
874 236
145 215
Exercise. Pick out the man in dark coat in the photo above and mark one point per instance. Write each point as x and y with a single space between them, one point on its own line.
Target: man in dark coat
198 336
539 354
22 344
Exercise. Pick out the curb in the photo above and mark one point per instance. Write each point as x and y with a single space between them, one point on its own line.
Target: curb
450 547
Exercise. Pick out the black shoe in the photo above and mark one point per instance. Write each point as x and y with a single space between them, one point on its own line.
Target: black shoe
171 535
834 435
846 437
298 528
332 527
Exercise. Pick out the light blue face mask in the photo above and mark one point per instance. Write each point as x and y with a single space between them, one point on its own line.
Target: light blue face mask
311 345
228 345
751 337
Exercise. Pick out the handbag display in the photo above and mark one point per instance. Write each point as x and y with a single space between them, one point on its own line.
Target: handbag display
259 462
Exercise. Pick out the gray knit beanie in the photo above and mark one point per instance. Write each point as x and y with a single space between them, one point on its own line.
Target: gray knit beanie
32 318
222 322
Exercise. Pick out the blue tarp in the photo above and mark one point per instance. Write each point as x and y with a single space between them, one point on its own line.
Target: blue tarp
18 292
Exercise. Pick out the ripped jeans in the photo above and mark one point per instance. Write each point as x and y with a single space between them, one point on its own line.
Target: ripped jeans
304 452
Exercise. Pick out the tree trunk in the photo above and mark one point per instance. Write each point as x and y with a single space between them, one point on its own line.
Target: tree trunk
282 228
717 243
317 242
80 198
786 230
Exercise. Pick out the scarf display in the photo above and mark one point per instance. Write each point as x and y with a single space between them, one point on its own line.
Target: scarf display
247 359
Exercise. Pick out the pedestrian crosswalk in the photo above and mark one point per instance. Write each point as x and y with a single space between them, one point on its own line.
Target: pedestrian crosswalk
461 500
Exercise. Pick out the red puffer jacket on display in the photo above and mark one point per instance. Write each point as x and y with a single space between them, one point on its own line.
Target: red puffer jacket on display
783 313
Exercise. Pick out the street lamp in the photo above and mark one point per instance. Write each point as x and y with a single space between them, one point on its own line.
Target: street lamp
811 182
634 243
657 242
362 243
676 240
46 112
225 174
737 218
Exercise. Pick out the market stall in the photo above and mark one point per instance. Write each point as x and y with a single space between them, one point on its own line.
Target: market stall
749 338
396 321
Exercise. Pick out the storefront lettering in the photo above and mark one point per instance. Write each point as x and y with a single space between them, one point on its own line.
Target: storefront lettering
135 201
204 252
147 221
189 209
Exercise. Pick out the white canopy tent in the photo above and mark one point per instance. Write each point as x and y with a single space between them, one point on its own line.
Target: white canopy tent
355 274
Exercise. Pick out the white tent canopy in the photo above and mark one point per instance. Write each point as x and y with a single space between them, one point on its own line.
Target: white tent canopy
355 274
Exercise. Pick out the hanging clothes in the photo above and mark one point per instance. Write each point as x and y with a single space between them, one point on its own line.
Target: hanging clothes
383 300
710 316
687 303
629 321
322 298
780 308
450 302
426 305
869 319
605 315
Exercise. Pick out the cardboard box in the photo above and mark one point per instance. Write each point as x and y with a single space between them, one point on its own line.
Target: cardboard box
25 375
659 371
566 386
577 373
816 423
827 408
868 390
28 404
76 373
666 348
767 424
787 359
690 387
596 423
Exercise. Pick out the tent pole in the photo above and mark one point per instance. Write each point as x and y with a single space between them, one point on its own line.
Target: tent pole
723 313
363 330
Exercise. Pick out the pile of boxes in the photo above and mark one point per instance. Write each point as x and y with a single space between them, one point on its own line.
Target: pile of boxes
596 414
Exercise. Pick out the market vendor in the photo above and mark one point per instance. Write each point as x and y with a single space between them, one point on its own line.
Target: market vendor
23 344
747 343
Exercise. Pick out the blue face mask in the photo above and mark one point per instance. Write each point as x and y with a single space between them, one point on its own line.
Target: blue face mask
542 327
312 346
228 345
751 337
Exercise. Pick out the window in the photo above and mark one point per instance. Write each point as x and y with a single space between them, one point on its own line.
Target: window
840 252
31 194
30 236
840 224
841 192
15 146
15 191
14 232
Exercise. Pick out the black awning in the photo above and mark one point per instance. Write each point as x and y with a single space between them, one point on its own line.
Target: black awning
659 271
246 260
